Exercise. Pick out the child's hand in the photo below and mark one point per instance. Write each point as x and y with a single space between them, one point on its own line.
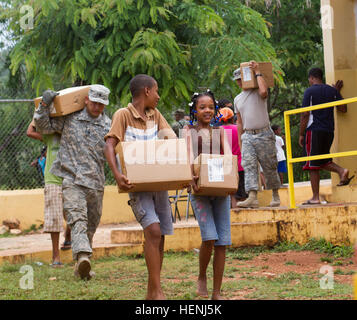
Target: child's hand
123 183
194 183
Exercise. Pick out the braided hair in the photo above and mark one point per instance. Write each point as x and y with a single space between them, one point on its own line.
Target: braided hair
193 105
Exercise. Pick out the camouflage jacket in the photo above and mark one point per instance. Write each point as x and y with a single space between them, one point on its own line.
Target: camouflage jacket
179 125
81 155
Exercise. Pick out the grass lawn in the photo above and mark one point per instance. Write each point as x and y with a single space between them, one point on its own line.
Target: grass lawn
287 271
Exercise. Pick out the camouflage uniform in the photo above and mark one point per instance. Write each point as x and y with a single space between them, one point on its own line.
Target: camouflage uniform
80 162
259 147
179 125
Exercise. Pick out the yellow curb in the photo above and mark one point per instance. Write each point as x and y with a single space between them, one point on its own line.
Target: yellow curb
66 256
189 237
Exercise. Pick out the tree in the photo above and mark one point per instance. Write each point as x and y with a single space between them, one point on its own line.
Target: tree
183 44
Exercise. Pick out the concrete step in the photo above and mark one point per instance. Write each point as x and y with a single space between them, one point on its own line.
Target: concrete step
188 237
335 222
45 256
302 193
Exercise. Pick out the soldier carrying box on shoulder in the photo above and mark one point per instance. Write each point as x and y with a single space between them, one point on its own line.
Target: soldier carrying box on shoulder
80 162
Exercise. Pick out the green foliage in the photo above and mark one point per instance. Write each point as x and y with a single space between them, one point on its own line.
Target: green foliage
183 44
318 245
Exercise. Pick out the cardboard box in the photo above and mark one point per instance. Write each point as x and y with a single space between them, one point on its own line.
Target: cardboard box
218 174
155 165
68 101
249 81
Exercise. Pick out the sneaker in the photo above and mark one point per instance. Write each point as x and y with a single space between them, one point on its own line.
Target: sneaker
83 266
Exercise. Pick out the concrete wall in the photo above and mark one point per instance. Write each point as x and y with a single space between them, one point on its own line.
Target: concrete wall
336 224
340 52
28 207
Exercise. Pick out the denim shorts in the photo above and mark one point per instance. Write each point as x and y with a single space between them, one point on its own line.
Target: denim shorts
214 218
152 207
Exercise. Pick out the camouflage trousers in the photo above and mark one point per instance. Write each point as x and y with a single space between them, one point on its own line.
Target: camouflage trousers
83 209
260 148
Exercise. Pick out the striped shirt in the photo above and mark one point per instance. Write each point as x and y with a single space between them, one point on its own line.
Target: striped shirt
128 125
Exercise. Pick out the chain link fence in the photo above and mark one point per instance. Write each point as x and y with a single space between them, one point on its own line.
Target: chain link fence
19 154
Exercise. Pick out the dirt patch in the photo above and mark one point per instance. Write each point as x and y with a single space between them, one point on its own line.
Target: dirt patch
293 261
273 265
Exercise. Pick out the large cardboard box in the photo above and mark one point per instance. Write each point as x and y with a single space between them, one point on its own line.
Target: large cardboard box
155 165
218 174
68 101
249 81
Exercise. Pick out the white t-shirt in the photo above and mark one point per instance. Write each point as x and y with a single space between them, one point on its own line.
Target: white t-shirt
252 109
279 143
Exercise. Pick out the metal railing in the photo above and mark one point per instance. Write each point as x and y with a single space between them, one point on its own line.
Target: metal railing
290 160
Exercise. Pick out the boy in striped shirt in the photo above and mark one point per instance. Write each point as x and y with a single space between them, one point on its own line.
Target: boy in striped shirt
140 120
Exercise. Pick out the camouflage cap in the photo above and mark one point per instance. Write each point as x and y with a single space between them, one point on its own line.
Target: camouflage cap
179 111
236 74
99 93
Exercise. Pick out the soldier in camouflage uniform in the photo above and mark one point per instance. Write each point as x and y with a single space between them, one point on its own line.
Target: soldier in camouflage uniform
257 139
180 121
80 162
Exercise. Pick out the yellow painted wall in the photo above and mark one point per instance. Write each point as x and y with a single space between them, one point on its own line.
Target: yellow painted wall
340 53
28 206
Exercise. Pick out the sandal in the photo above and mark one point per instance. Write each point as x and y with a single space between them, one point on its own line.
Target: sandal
56 264
346 182
310 203
66 245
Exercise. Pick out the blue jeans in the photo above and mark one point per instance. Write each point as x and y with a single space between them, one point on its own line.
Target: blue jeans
213 215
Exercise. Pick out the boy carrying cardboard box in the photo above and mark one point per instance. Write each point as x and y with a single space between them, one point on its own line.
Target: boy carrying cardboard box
140 120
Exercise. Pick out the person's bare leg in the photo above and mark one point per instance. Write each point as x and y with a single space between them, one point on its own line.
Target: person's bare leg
67 234
152 253
333 167
219 260
281 177
233 201
262 177
315 185
204 259
55 246
162 244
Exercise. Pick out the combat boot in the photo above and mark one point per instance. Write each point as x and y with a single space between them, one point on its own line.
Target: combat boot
83 266
251 202
275 202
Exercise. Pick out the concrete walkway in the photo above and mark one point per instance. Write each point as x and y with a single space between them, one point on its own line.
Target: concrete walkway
25 246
